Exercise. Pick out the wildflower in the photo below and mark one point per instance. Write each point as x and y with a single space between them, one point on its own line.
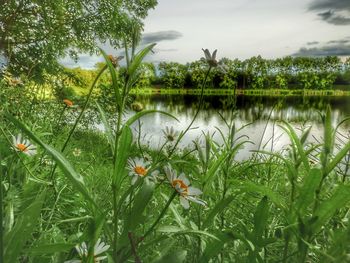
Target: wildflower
68 103
23 146
76 152
137 106
115 60
210 59
15 81
170 134
139 168
182 185
99 248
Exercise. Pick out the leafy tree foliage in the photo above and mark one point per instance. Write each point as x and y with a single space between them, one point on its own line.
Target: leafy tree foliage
173 74
34 34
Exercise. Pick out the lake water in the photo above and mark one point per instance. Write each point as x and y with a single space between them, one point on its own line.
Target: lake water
262 115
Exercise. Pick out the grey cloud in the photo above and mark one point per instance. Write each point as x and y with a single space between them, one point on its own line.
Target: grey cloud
333 18
334 50
338 5
312 43
332 11
154 37
341 41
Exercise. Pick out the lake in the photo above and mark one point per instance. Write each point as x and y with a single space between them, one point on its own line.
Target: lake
261 117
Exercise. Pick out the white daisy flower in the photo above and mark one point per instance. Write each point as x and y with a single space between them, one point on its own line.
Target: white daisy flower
23 145
170 134
82 249
138 168
182 185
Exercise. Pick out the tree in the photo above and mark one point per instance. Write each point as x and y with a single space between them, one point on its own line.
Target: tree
34 34
172 74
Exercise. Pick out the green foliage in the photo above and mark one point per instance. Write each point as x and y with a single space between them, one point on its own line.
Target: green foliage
172 74
34 34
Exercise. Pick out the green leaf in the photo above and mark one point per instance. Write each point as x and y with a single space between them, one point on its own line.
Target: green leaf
135 218
124 146
214 246
260 219
107 127
307 191
26 223
295 140
214 167
175 256
257 188
75 179
144 112
114 78
142 199
327 208
217 209
137 59
340 155
174 230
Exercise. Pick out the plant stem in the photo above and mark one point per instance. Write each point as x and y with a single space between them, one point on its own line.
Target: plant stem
80 115
84 108
1 216
195 115
161 214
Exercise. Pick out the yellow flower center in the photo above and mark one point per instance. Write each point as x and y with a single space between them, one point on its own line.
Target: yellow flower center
141 171
180 184
22 147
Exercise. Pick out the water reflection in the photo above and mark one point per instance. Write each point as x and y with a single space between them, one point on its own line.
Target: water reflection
261 113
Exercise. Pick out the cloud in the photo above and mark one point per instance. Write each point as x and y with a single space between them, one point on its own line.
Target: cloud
154 37
333 18
330 50
312 43
336 12
338 5
341 41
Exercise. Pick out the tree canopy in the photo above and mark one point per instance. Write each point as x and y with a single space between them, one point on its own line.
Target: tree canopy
34 34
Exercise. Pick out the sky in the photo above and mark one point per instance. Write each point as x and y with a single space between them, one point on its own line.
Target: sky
242 29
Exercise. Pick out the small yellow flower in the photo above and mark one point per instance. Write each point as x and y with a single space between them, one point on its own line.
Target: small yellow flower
68 102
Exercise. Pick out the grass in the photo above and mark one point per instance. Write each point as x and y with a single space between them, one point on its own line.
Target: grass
165 204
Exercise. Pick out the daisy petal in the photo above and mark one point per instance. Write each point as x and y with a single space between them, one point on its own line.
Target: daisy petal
184 202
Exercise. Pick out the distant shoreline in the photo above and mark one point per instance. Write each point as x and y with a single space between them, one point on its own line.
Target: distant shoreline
244 92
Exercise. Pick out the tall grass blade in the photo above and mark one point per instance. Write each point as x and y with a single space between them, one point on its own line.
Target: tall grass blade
26 223
327 208
122 155
113 73
308 190
107 127
138 115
